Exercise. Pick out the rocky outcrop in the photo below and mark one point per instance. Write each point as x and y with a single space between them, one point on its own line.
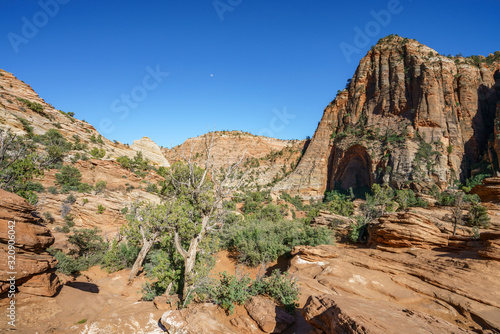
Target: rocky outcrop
198 319
491 248
489 190
269 317
346 314
263 160
150 151
375 290
33 265
408 114
406 229
13 110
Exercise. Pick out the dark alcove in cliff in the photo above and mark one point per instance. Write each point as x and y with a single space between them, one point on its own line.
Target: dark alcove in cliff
353 170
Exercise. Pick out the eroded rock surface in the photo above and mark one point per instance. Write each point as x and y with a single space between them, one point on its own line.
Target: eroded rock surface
453 291
404 104
33 265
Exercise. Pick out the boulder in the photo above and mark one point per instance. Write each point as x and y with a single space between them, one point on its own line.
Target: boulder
406 230
167 302
197 319
269 317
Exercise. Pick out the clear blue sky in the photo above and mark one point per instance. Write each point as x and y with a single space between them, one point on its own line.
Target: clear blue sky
230 68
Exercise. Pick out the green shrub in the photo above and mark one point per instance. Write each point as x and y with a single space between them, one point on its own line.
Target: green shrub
34 186
339 203
85 188
478 216
100 186
52 190
282 288
69 178
261 241
65 264
100 209
56 145
71 199
231 290
406 198
120 256
152 188
97 153
36 107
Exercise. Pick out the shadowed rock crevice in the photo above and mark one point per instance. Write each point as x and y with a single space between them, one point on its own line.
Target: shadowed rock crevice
353 171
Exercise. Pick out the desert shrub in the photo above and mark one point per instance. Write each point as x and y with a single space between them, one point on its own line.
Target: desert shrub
100 209
406 198
56 145
27 127
296 201
52 190
97 153
338 203
282 288
357 230
259 241
69 178
70 199
85 188
473 181
65 264
36 107
152 188
229 205
448 198
478 216
34 186
137 164
100 186
230 290
120 256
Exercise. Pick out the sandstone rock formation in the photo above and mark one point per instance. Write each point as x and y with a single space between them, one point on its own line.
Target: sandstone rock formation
150 150
491 248
33 264
359 290
406 229
408 114
269 317
489 190
13 110
345 314
265 160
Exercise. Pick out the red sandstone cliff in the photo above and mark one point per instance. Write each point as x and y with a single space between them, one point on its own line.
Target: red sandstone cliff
409 117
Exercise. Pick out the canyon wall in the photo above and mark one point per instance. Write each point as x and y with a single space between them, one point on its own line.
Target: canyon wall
409 117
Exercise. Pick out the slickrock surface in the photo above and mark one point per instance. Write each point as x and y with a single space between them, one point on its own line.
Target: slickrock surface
401 291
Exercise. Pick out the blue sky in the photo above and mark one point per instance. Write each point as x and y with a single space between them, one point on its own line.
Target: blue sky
266 67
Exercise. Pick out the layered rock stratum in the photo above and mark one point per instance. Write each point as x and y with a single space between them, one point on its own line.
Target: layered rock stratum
32 265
